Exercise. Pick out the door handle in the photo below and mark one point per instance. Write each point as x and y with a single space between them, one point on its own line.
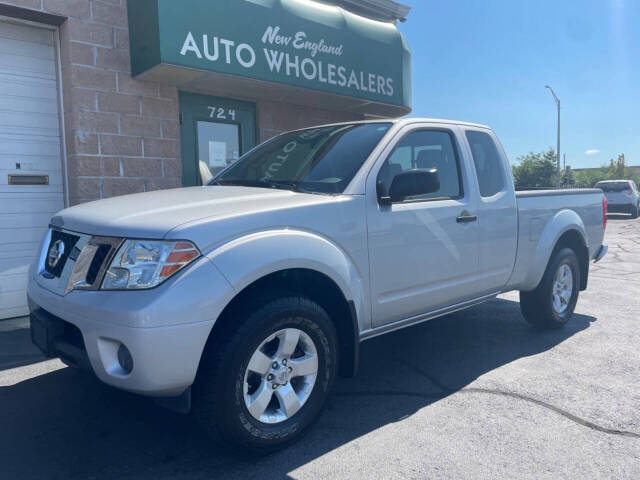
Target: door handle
465 217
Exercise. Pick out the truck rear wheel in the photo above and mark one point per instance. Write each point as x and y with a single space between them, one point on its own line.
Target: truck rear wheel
553 301
264 384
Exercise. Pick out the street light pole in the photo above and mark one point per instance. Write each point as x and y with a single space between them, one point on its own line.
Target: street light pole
555 97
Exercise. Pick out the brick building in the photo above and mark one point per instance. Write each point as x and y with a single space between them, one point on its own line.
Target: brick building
109 97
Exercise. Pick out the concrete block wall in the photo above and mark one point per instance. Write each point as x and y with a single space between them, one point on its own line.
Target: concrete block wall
277 117
122 135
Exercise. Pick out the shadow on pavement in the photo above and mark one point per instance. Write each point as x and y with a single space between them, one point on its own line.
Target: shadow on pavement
66 424
16 349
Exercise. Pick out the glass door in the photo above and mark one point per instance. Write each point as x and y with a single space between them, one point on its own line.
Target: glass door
218 144
214 132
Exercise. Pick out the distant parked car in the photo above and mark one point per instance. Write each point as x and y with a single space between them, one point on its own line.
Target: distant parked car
622 196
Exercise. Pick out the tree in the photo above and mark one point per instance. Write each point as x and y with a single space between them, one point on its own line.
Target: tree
588 178
616 170
567 177
536 170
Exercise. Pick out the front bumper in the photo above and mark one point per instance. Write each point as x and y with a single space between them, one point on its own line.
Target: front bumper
165 329
57 338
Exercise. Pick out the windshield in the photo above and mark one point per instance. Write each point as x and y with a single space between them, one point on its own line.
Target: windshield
322 159
614 186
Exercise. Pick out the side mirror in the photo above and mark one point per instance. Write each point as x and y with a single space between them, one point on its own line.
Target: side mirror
412 183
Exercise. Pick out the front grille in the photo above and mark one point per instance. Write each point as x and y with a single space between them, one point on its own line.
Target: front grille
69 241
99 258
91 263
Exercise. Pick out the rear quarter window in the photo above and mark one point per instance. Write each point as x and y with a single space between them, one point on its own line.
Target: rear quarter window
488 162
611 187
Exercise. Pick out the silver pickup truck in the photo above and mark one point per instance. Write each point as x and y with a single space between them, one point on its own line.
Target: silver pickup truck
241 300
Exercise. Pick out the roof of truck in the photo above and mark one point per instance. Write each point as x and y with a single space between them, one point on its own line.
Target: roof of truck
437 120
409 120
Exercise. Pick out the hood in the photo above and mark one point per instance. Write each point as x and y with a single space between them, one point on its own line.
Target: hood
155 214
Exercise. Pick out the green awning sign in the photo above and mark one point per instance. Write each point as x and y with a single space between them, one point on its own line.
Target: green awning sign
295 42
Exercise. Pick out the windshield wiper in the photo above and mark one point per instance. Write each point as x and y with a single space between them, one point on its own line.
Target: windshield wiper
282 185
288 186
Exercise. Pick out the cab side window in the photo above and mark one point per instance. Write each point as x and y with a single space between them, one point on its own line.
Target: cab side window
424 149
487 161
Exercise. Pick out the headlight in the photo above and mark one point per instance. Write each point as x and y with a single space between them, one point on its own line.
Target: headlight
146 263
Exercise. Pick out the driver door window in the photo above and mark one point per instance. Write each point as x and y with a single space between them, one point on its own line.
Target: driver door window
424 149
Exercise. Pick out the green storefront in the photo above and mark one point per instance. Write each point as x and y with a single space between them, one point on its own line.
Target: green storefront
247 70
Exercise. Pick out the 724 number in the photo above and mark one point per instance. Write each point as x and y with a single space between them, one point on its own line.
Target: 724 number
222 113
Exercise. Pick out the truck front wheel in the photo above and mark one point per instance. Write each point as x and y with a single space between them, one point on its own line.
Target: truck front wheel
262 385
553 301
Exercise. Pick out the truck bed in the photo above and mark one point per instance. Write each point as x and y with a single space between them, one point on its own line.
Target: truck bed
538 211
549 192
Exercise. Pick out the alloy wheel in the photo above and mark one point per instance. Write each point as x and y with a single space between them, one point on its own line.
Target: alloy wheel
562 288
280 375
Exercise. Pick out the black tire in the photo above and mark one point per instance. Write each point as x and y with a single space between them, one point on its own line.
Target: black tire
635 210
218 401
537 305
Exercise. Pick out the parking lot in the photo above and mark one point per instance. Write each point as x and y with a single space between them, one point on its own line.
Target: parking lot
474 394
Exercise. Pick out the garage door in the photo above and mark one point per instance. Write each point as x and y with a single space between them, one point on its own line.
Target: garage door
30 166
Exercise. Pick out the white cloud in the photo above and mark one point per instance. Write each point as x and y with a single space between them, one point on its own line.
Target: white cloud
593 151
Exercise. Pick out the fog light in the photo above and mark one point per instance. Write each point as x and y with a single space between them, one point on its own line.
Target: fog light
124 359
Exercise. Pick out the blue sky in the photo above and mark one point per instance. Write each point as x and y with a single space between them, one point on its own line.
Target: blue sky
488 62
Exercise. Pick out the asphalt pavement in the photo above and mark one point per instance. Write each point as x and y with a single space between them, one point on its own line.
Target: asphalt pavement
475 394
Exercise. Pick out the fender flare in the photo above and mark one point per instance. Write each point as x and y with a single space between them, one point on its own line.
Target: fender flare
562 222
251 257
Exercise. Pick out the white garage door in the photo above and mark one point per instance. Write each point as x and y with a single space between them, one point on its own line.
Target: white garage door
29 154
